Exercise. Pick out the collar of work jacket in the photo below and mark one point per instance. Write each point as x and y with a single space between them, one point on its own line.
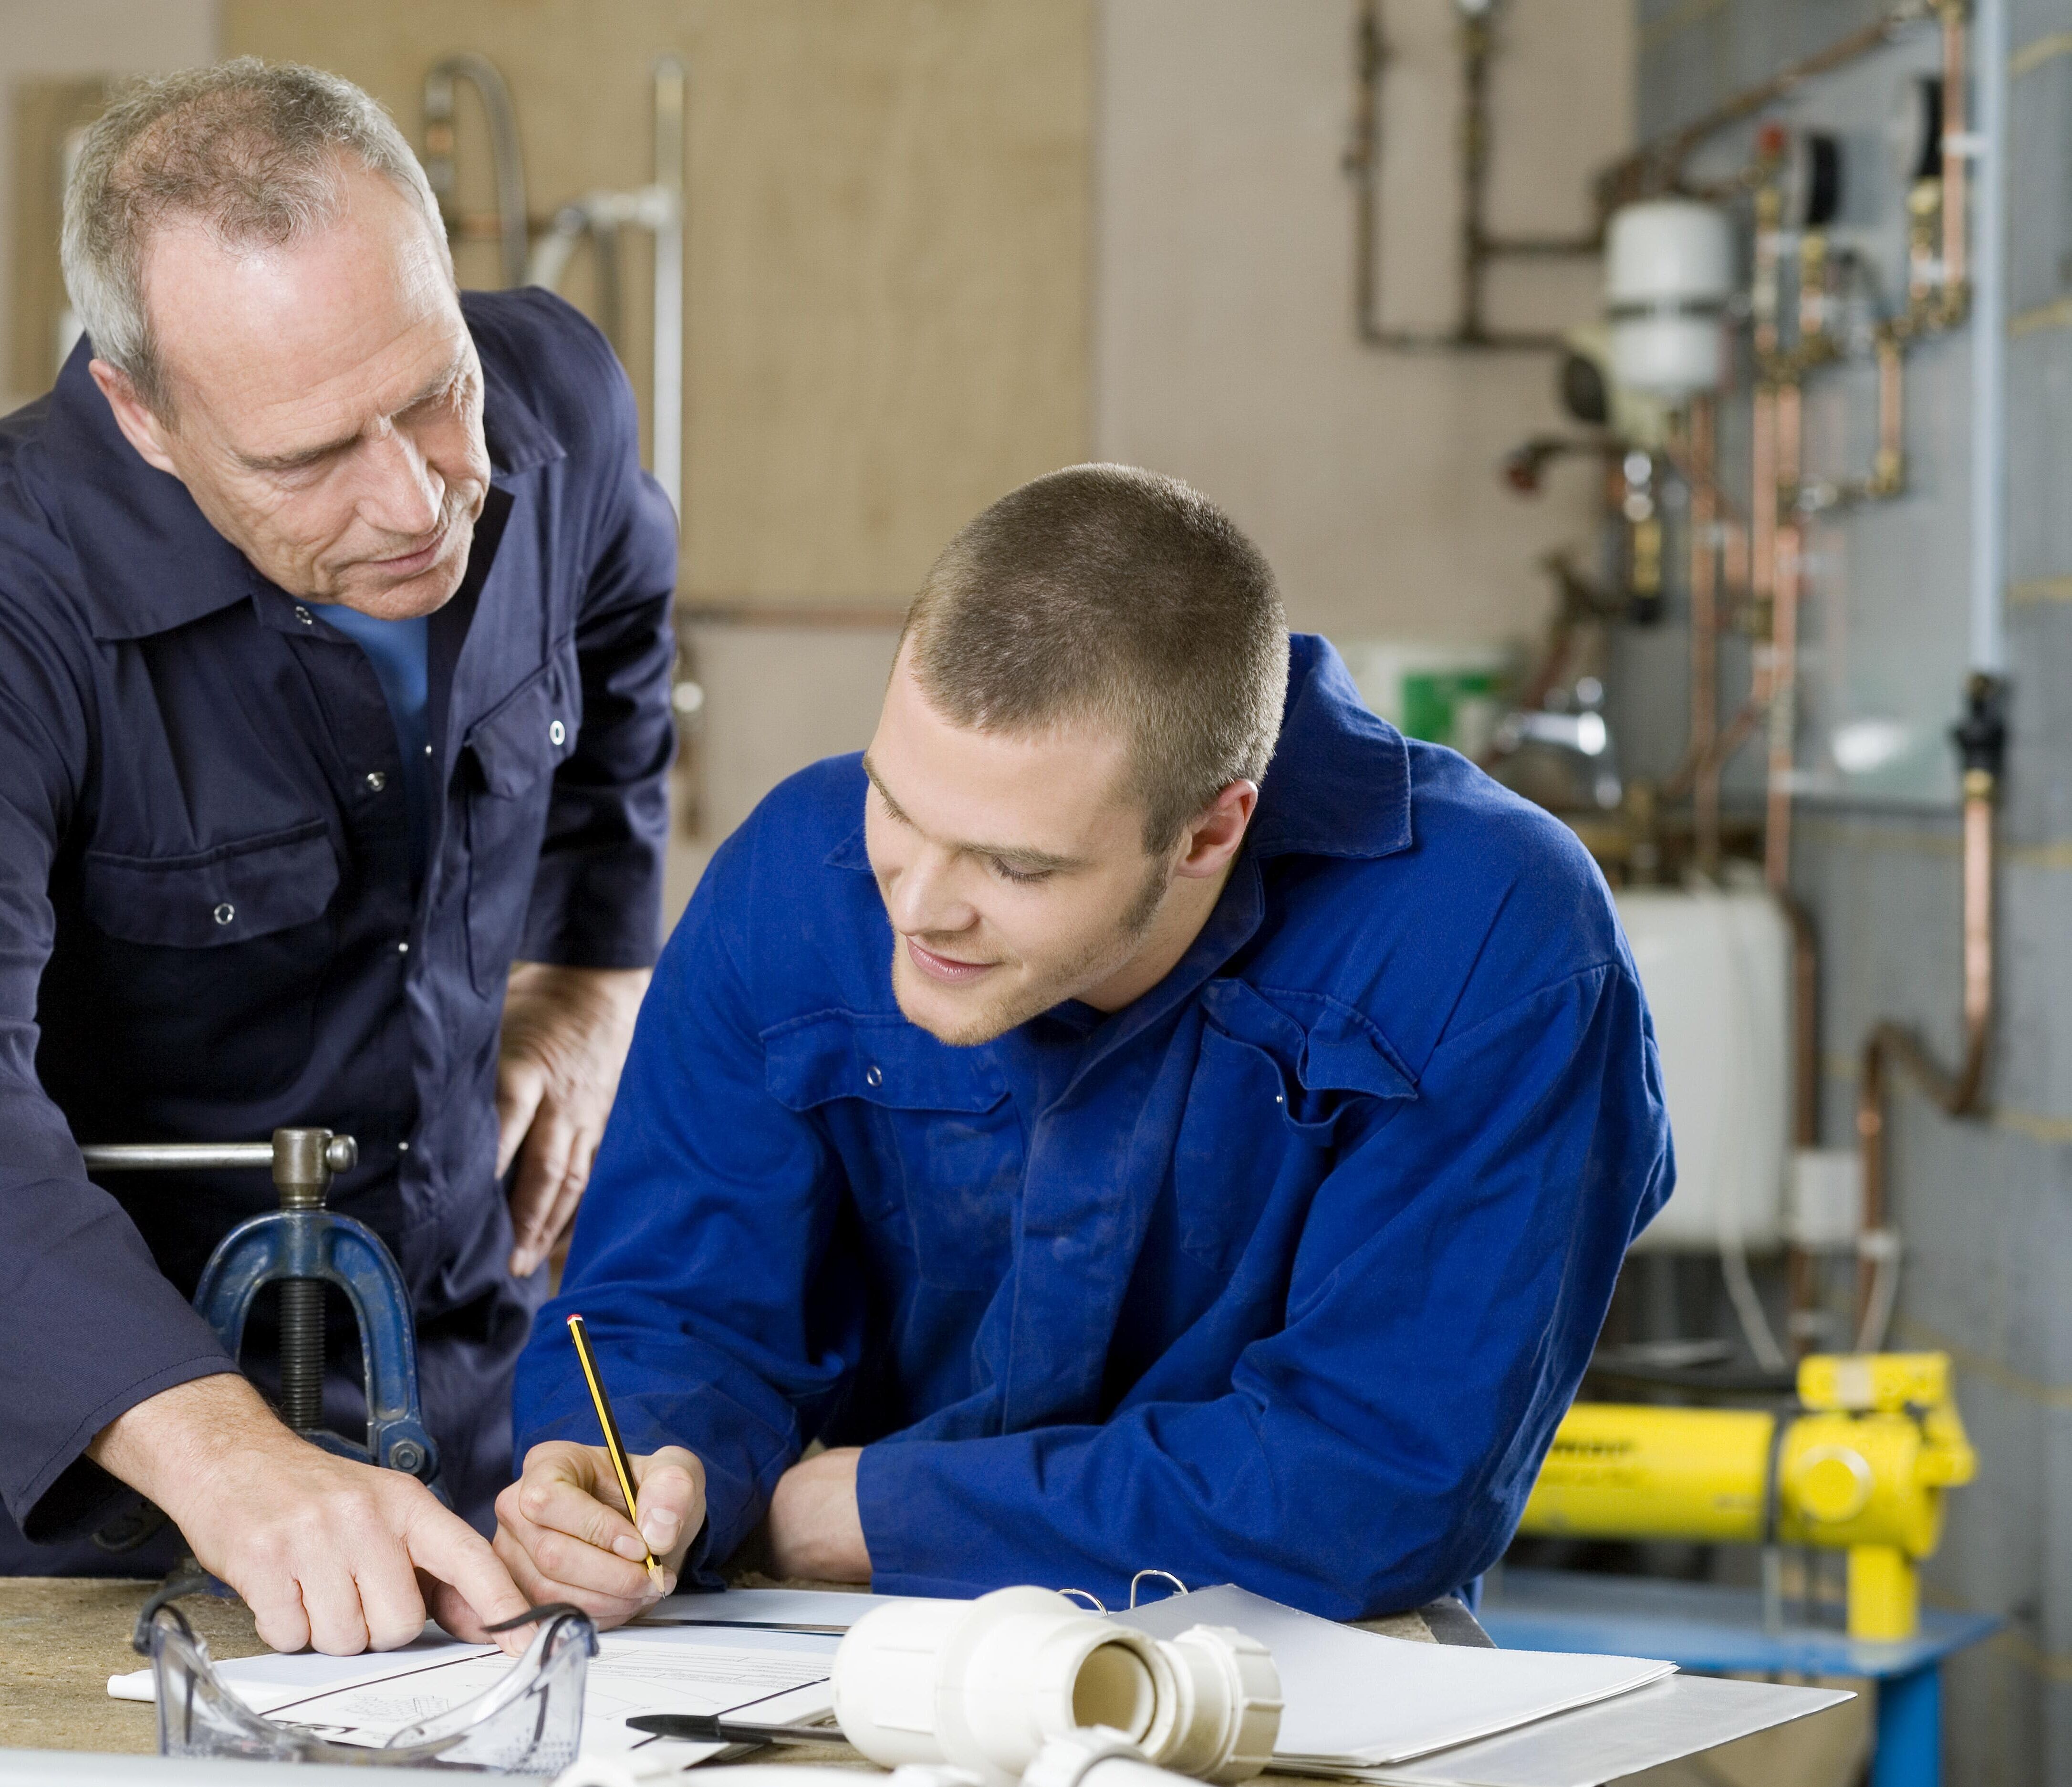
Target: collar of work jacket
1338 786
149 559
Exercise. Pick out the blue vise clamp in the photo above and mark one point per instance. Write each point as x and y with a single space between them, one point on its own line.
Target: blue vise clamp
304 1246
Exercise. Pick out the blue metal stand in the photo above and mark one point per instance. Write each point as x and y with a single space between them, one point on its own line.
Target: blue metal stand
1719 1631
319 1244
1909 1730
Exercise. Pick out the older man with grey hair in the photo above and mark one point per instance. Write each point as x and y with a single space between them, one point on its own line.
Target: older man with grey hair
334 652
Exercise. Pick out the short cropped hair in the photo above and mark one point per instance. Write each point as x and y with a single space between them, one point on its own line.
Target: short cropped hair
256 151
1109 594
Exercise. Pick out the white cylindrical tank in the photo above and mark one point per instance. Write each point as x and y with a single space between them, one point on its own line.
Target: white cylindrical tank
1716 970
1669 271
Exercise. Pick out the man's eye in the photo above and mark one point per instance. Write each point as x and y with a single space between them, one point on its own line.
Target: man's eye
1022 877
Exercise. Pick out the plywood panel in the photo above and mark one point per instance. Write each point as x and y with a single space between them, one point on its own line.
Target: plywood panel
889 242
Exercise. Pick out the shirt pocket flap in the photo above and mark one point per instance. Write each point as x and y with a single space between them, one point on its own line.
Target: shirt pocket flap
250 888
883 1061
1347 1050
531 732
1328 1057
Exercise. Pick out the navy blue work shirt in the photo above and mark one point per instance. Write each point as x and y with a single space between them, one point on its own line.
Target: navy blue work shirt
1282 1275
207 921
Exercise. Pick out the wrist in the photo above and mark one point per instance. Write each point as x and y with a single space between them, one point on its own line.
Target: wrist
177 1447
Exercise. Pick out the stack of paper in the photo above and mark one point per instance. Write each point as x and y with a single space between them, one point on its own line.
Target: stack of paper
1353 1700
1390 1709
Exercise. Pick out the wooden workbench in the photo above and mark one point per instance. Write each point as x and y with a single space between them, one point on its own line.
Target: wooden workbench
61 1638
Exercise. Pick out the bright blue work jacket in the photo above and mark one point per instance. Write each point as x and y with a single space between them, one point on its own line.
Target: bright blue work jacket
1282 1275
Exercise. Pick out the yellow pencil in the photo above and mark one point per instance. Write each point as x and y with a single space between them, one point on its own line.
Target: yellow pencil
613 1444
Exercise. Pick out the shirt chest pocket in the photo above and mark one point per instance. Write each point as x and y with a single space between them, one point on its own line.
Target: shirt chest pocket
216 958
927 1135
515 748
1281 1086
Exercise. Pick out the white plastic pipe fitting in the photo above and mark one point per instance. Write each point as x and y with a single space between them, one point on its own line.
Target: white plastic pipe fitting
1669 274
984 1685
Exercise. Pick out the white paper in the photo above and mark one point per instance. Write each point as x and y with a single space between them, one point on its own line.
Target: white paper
1679 1716
782 1676
1356 1699
783 1609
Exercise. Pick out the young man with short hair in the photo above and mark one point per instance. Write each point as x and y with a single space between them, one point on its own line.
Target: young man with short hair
1128 1125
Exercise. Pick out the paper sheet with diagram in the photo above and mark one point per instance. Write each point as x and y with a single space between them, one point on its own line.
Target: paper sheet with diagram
782 1676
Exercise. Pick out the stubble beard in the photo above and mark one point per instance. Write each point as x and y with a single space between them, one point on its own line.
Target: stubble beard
1102 958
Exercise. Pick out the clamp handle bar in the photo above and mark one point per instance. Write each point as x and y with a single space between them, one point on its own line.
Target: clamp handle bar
339 1154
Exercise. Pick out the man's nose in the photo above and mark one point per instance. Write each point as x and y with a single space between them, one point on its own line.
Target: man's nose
925 897
403 493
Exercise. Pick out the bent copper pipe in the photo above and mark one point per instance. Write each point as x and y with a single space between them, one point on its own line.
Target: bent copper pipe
1890 1044
1704 630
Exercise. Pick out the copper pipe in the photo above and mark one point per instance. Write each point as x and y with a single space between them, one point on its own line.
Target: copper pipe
1730 739
1956 174
1805 1027
1888 469
1805 1104
1657 166
1785 583
1763 493
1477 246
1955 1093
1704 627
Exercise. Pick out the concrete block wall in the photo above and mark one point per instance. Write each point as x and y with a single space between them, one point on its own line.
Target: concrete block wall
1986 1206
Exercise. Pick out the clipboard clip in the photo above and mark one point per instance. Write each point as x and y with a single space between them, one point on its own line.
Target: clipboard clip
530 1721
1101 1606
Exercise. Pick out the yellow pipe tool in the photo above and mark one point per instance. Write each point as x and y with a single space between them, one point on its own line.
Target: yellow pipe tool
1862 1469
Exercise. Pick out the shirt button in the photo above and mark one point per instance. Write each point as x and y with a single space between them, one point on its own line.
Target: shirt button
556 733
376 780
402 949
872 1076
302 614
225 913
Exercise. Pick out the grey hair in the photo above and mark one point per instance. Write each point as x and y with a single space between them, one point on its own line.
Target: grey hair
253 149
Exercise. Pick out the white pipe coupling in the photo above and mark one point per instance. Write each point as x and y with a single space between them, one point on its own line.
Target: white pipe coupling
984 1685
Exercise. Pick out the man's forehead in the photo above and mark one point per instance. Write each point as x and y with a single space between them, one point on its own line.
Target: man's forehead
1057 789
287 346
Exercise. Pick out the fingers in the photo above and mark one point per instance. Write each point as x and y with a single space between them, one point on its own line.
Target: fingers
331 1597
541 1191
391 1604
543 1562
563 1534
446 1548
276 1610
521 1083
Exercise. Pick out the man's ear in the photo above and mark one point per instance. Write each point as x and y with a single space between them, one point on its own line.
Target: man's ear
1213 834
140 428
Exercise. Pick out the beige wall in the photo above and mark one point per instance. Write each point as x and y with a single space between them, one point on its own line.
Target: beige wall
938 246
1225 350
887 244
47 40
